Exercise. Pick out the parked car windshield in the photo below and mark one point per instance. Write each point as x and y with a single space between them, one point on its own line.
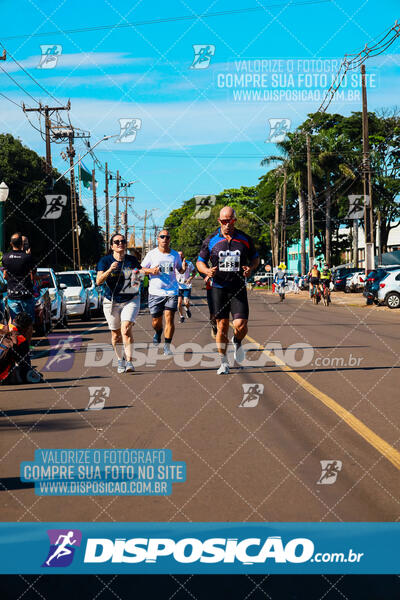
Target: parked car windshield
45 279
70 279
86 280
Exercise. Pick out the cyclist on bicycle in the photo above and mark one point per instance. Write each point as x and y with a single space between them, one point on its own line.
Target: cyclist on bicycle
326 275
314 278
280 281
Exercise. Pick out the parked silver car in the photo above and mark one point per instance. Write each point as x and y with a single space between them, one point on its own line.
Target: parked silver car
95 291
48 279
77 296
389 290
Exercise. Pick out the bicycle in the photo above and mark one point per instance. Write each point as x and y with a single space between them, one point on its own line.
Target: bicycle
315 294
326 295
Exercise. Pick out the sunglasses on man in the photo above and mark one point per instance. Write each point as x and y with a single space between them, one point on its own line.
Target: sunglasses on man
118 242
226 221
164 237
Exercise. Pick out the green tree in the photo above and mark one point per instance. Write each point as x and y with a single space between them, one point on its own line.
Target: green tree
51 240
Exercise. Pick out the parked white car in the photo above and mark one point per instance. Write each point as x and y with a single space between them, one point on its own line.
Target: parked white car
389 290
95 291
77 296
48 279
355 282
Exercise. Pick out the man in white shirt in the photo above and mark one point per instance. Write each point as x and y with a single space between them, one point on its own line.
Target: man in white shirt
185 288
161 265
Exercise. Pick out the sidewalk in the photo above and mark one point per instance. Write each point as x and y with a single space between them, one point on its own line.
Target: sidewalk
338 298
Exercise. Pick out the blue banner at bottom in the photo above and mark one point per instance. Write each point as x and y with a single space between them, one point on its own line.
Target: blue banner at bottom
196 548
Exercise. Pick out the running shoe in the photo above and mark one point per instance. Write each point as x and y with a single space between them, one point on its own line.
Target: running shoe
129 368
121 366
167 350
188 312
224 369
181 319
156 339
238 353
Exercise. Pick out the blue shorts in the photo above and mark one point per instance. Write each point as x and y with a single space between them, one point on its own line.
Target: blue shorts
185 293
19 306
157 304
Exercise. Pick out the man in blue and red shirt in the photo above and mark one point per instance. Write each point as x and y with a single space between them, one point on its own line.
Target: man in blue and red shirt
233 257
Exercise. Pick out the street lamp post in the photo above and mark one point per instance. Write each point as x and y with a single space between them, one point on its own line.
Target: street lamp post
3 197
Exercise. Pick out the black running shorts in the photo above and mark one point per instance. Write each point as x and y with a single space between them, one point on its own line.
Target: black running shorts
226 301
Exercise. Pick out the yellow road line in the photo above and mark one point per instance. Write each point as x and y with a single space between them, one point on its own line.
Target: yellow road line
358 426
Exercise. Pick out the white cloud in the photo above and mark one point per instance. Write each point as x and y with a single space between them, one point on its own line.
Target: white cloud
80 60
72 81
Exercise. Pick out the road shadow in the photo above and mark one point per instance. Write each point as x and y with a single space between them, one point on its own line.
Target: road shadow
20 412
43 386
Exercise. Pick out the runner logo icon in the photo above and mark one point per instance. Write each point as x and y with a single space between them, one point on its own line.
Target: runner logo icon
330 471
251 394
62 547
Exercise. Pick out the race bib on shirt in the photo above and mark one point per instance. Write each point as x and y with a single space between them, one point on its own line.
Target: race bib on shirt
131 283
229 261
167 267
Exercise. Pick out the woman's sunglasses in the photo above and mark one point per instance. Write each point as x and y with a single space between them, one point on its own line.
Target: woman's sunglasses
164 237
118 242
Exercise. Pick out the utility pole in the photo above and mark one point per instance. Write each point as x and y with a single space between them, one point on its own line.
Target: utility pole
271 234
367 187
107 207
144 234
126 214
76 255
276 227
328 234
355 243
310 204
283 228
117 204
95 215
379 238
47 111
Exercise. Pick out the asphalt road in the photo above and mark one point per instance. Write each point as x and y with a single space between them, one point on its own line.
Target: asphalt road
259 462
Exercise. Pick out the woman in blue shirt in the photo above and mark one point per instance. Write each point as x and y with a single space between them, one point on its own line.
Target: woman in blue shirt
119 272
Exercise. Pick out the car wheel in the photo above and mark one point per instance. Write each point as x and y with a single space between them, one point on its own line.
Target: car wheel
369 301
392 300
347 289
65 320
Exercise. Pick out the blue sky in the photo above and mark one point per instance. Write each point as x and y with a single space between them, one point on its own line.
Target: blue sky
195 137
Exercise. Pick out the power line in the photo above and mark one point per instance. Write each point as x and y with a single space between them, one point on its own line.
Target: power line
20 86
350 62
29 75
168 19
10 100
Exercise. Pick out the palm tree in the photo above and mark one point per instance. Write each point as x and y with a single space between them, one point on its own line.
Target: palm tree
293 149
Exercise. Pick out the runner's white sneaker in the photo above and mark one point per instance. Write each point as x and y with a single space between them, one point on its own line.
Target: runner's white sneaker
167 350
129 368
238 353
121 366
224 369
